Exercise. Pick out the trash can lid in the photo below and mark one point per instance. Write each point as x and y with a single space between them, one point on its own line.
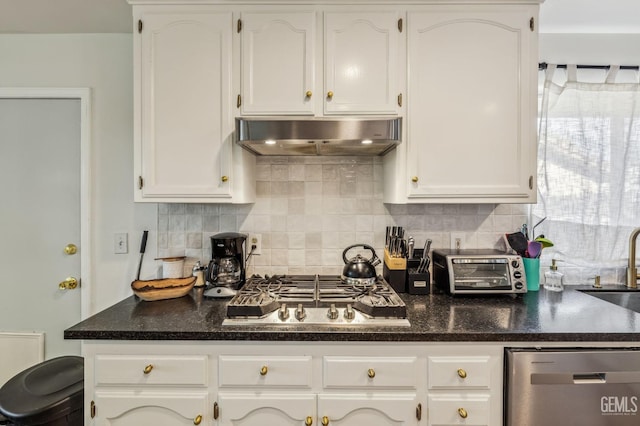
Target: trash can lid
47 391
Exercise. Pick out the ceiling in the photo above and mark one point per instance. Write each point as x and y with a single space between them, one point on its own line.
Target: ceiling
114 16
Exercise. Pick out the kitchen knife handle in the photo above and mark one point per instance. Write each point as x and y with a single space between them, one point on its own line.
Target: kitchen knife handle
143 245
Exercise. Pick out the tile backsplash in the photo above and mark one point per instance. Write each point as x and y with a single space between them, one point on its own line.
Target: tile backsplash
309 209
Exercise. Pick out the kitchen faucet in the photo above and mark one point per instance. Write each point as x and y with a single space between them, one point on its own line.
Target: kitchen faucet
632 272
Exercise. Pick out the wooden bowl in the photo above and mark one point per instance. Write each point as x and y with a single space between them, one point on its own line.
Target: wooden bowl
167 288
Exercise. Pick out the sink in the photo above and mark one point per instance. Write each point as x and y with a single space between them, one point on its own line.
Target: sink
629 299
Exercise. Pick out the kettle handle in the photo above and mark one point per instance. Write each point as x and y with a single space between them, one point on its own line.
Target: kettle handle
374 260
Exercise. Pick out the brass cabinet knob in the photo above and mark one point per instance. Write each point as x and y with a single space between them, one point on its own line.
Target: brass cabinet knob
462 413
70 249
308 421
197 420
414 179
462 374
148 369
330 94
309 93
224 178
69 283
325 421
371 373
264 370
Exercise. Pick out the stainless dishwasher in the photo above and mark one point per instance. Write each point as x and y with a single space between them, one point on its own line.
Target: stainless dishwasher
573 386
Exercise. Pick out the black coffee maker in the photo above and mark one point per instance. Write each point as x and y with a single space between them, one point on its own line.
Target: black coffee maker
226 271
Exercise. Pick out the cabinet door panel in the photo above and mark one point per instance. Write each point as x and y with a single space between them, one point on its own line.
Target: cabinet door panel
186 129
361 62
471 108
150 408
459 409
350 372
371 410
248 409
278 62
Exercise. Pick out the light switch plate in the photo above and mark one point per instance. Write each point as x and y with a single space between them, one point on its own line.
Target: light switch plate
121 243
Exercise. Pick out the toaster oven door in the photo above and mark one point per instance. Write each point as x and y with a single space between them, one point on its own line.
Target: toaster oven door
484 274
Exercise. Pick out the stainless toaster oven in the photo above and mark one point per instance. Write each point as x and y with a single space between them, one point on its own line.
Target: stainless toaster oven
478 271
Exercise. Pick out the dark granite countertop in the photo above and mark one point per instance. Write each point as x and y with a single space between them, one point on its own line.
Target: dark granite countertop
570 316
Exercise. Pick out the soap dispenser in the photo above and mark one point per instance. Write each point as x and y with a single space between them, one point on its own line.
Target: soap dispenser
553 280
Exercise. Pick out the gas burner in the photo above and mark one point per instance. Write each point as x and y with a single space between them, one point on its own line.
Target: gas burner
315 299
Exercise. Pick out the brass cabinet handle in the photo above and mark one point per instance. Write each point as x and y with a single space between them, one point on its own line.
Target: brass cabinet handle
70 249
197 420
224 178
148 369
309 93
69 283
414 179
330 94
462 374
325 421
462 413
264 370
308 421
371 373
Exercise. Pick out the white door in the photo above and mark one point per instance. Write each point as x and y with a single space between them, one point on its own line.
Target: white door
40 158
373 409
261 409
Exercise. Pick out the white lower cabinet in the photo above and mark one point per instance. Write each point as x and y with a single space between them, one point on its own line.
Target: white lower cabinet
292 383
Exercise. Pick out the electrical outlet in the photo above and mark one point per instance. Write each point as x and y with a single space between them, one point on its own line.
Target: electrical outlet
255 240
121 243
457 240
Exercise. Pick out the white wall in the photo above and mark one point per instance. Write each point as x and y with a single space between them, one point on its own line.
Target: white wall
102 62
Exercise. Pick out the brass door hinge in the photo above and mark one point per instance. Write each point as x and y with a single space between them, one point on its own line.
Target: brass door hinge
400 99
93 409
400 24
216 411
419 412
139 26
530 182
532 24
239 101
140 182
239 26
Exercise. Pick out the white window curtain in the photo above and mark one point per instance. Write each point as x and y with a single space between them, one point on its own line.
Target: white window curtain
588 174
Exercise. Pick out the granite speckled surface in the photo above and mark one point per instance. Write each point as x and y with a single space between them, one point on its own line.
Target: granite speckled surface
536 316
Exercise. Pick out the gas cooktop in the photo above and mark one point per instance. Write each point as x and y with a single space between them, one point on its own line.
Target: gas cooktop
316 300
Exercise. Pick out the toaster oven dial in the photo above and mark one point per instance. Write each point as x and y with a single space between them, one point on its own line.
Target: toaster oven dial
515 264
517 274
518 285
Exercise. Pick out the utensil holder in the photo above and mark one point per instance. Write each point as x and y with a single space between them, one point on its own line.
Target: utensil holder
417 282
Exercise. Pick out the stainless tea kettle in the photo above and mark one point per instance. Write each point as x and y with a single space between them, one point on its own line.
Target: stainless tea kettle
360 270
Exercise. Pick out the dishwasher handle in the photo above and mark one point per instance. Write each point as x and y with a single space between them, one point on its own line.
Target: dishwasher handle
568 378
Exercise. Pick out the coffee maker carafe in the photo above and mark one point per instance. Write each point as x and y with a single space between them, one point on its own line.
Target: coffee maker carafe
227 267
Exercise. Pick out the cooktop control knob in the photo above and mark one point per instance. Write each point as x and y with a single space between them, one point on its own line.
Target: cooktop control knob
283 312
333 312
349 313
300 313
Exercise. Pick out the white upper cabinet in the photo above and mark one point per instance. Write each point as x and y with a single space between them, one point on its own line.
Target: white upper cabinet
356 57
183 146
277 67
471 114
361 69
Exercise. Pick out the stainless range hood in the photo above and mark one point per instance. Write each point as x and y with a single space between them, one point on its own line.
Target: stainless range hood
318 136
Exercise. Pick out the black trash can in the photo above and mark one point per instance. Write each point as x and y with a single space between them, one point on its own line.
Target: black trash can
50 393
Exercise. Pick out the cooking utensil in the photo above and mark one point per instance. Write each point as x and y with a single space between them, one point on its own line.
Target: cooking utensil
360 270
518 242
410 245
533 249
544 241
533 232
143 247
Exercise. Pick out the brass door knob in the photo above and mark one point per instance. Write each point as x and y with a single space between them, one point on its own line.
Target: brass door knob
309 93
69 283
371 373
325 421
308 421
264 370
330 94
462 374
462 413
197 420
148 369
414 179
70 249
224 178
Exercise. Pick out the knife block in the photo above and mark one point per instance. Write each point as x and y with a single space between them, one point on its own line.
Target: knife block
394 271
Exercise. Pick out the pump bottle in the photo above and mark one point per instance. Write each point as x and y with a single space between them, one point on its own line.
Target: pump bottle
553 280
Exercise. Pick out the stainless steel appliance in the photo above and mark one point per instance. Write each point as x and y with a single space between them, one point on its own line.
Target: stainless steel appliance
586 387
477 271
226 272
317 300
